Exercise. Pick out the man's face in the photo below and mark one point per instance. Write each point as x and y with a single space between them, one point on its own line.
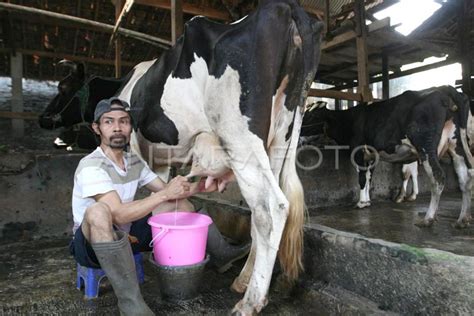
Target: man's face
114 129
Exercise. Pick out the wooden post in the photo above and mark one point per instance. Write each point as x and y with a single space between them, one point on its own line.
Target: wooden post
118 41
464 28
16 67
362 54
385 80
327 18
177 25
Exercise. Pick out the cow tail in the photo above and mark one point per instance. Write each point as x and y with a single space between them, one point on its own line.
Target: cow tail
291 246
467 150
467 118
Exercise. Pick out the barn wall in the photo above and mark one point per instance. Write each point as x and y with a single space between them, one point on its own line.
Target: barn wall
327 185
35 190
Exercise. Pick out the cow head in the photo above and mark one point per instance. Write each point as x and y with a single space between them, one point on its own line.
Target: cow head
314 119
65 108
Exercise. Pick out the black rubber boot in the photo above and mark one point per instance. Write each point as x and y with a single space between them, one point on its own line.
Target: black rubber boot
223 254
116 259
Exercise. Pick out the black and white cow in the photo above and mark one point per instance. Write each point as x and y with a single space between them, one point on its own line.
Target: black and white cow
410 171
416 125
231 99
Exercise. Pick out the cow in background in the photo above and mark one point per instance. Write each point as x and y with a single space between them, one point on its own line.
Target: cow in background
416 125
410 171
230 98
73 107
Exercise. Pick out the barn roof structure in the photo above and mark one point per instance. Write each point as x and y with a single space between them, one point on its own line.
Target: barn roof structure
46 31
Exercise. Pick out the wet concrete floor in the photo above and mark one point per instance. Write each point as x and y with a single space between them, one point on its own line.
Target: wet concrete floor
38 277
395 222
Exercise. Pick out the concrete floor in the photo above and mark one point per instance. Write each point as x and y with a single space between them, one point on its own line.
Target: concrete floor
38 277
393 222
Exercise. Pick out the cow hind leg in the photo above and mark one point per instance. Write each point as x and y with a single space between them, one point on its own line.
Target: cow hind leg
436 175
414 179
269 213
465 183
409 171
241 282
403 190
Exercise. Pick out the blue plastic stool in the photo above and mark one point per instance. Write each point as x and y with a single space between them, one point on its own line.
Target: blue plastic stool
90 278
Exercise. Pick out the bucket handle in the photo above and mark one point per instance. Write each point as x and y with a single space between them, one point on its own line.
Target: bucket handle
158 236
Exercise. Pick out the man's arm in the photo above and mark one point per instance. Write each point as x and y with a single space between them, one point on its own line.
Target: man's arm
156 185
195 187
123 213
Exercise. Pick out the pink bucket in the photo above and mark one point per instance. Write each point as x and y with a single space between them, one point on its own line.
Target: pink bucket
179 238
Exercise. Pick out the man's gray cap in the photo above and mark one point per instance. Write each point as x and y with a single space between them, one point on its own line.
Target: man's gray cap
105 106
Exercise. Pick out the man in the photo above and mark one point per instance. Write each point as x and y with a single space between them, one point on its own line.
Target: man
104 211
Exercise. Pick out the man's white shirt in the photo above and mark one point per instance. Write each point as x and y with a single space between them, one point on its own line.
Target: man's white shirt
97 174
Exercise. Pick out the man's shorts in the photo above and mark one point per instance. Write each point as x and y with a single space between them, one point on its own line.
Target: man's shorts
82 250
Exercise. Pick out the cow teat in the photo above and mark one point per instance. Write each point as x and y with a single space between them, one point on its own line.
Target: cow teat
209 158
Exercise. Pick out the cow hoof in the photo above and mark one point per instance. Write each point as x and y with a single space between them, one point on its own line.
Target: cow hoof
362 204
463 223
425 222
399 199
242 309
238 286
411 198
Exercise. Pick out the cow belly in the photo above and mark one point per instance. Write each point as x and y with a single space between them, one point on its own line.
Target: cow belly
447 138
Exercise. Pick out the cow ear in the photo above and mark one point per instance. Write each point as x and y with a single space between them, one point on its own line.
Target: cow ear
321 104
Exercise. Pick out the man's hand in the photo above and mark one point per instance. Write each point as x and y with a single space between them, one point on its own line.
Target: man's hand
177 188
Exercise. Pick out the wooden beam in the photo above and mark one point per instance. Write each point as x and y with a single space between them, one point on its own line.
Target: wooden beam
403 73
177 25
19 115
78 13
119 13
327 17
350 35
362 52
385 80
84 23
189 8
464 25
121 10
333 94
316 12
58 55
339 40
16 66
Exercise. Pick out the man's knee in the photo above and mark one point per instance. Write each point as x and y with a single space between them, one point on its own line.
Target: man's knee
171 206
186 205
98 215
